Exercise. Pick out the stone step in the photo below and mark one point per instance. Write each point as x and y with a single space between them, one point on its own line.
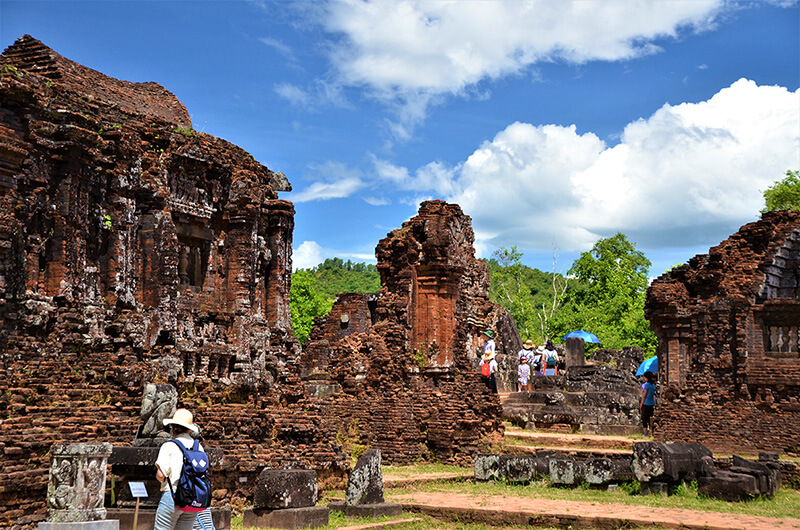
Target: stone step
586 441
569 451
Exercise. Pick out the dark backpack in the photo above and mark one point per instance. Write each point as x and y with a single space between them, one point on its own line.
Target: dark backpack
193 492
551 361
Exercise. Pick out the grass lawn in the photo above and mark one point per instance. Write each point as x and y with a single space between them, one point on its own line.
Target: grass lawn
786 504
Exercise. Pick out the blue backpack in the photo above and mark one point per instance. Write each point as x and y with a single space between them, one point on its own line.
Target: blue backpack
193 492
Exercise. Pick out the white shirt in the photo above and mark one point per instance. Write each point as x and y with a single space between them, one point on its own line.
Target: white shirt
170 459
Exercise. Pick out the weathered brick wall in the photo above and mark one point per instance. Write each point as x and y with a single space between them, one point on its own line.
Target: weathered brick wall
722 385
408 384
135 250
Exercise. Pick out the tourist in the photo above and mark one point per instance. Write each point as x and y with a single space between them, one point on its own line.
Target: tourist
550 359
488 342
204 520
488 364
647 403
526 351
169 465
524 375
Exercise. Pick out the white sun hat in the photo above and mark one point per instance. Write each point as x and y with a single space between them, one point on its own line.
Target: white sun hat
183 418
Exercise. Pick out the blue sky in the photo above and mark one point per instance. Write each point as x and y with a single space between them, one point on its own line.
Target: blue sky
552 123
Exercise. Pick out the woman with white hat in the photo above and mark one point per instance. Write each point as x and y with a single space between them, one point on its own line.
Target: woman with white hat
169 465
488 364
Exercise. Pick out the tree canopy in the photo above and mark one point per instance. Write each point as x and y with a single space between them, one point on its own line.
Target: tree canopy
784 194
609 294
604 293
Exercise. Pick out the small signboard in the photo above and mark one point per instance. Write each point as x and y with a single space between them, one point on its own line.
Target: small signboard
137 489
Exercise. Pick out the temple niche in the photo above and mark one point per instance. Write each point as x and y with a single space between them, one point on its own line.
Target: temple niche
400 367
727 325
136 250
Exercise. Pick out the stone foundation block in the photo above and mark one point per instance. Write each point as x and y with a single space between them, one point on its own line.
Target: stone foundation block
86 525
668 462
567 471
728 486
388 509
654 488
605 470
512 468
291 518
277 489
147 518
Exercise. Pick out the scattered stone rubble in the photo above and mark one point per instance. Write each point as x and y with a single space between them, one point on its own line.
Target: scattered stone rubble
657 466
728 327
597 397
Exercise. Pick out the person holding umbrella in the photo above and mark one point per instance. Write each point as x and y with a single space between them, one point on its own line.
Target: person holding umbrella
647 403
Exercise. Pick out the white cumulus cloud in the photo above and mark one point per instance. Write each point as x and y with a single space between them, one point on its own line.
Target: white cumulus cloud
307 255
689 173
409 52
334 189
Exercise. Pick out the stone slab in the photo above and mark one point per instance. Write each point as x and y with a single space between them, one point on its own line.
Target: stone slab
85 525
147 518
291 518
279 489
387 509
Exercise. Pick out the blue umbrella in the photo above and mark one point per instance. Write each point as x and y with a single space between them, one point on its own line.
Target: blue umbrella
649 365
585 335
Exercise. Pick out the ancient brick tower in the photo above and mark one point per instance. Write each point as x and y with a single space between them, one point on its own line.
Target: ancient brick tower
400 366
728 331
134 249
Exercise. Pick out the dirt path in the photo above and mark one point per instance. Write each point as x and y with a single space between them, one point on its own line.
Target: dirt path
500 510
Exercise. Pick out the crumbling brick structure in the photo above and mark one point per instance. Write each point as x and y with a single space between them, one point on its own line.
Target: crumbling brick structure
134 249
727 325
408 384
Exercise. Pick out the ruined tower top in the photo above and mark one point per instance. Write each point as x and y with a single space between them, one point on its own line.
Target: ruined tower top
31 56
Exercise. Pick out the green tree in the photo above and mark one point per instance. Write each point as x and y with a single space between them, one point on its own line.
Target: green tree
306 302
784 194
528 294
608 296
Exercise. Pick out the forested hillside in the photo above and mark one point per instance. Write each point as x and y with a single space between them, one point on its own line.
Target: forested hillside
603 292
314 290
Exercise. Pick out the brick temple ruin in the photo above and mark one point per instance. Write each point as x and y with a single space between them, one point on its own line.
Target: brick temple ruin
400 365
135 250
727 325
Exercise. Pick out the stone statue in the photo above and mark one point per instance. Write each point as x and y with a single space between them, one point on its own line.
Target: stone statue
158 403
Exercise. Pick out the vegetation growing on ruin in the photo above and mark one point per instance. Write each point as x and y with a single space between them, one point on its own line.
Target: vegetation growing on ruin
784 194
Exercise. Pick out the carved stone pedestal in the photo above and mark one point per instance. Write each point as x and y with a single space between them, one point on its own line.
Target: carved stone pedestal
77 482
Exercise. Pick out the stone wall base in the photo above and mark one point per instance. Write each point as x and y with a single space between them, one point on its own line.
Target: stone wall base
287 518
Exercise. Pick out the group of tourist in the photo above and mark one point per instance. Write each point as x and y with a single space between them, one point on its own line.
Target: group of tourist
534 361
531 362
